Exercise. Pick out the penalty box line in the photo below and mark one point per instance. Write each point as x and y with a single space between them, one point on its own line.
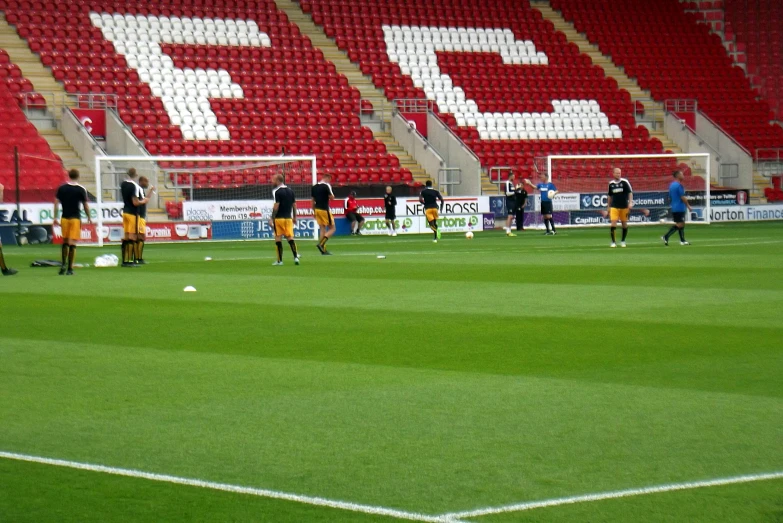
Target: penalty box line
617 494
236 489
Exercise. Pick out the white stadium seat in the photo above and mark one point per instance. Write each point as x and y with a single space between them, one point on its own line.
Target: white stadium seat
138 39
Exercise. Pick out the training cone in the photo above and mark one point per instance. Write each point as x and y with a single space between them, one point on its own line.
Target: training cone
190 288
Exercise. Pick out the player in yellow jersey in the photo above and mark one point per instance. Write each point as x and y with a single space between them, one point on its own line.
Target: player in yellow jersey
283 218
72 197
430 198
322 196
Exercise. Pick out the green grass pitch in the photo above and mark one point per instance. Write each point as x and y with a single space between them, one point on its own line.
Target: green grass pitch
444 378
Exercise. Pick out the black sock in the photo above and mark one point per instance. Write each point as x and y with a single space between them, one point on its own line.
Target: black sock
546 224
625 232
139 249
279 246
614 237
292 244
434 227
671 231
3 266
71 257
124 251
552 223
521 221
682 234
65 254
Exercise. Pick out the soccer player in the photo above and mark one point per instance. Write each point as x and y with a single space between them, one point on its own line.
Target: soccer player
5 269
351 212
620 203
71 196
429 197
390 203
322 195
144 183
511 203
680 205
283 218
544 186
132 198
520 201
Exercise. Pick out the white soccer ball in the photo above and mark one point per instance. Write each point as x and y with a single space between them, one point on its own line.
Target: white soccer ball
551 194
469 235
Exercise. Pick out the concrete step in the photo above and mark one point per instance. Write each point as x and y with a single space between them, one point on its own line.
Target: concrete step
355 78
605 62
43 82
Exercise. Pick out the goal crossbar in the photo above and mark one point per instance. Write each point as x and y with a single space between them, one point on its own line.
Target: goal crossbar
102 159
707 157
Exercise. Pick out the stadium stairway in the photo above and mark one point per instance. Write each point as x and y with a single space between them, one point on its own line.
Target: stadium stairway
623 81
355 78
45 84
630 85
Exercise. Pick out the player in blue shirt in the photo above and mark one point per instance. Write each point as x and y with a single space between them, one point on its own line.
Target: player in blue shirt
679 206
544 186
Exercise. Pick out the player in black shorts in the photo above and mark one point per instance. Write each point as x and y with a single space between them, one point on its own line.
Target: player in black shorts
511 203
390 204
6 270
520 199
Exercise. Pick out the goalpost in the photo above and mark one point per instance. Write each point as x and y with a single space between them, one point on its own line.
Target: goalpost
231 193
582 183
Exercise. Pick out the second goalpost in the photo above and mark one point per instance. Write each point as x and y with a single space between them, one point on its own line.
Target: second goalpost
582 183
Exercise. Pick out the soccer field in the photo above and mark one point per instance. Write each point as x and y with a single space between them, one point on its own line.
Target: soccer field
451 382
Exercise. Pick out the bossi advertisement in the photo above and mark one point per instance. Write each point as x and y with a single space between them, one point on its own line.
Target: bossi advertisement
262 209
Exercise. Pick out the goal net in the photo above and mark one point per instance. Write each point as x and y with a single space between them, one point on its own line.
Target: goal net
582 183
205 197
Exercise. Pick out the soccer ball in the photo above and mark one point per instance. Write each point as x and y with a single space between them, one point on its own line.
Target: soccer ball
551 194
469 235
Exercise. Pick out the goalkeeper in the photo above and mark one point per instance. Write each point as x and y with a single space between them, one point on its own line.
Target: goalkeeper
548 191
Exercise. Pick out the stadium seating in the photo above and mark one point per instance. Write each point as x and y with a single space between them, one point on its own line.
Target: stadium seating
508 84
674 57
17 84
758 28
40 170
222 79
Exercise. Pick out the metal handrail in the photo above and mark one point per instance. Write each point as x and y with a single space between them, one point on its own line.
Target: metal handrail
95 100
412 128
421 105
412 105
127 128
455 135
684 105
702 140
777 150
721 129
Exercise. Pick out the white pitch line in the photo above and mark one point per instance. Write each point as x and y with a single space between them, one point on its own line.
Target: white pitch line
237 489
670 487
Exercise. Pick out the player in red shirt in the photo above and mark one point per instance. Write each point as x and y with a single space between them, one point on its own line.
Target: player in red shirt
351 212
